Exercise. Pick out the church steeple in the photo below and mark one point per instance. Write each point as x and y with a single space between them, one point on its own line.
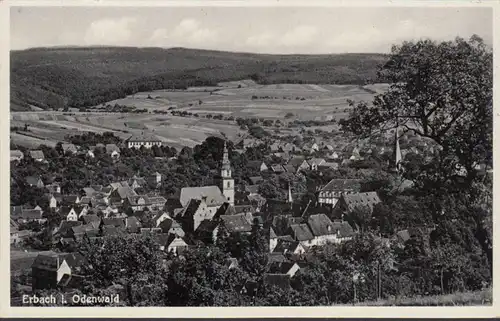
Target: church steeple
290 199
397 152
226 177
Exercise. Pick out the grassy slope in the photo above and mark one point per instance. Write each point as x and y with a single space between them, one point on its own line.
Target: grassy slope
484 297
48 76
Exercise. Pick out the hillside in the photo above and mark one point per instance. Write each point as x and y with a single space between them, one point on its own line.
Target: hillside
86 76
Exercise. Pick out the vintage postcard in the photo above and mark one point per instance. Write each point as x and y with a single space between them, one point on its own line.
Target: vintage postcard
265 156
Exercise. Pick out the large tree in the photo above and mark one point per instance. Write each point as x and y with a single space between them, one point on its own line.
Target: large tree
441 91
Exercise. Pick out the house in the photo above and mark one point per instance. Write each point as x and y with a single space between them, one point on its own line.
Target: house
24 215
16 155
231 263
238 223
35 181
132 224
259 166
327 232
210 195
53 188
331 192
52 200
69 148
148 141
78 232
115 222
48 270
37 155
315 162
333 156
65 226
154 178
169 226
139 203
91 219
120 194
191 216
69 213
112 150
287 268
278 169
287 246
175 244
160 217
328 166
252 189
136 182
70 199
302 233
351 201
255 180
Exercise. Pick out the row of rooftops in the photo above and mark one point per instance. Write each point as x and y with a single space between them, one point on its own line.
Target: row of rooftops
317 225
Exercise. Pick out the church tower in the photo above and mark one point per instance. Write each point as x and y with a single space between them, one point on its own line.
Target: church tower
226 178
397 157
290 199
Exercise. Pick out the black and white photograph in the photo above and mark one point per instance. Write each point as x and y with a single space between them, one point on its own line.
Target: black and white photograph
250 156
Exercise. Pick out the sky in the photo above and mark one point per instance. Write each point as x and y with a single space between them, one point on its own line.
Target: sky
273 30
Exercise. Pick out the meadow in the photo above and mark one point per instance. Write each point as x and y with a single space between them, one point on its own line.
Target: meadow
245 98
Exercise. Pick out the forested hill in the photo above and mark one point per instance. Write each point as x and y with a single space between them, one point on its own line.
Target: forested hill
87 76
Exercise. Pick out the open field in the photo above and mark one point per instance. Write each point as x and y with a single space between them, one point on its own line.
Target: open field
51 127
296 101
305 101
484 297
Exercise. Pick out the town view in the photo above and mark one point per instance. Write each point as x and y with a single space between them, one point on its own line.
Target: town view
155 174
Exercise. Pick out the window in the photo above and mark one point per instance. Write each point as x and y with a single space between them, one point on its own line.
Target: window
228 184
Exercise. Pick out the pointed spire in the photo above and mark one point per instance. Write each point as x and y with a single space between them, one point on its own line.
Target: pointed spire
397 151
290 199
225 157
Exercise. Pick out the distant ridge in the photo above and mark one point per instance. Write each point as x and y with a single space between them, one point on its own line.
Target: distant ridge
55 77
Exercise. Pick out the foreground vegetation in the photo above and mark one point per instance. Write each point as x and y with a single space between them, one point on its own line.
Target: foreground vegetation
460 298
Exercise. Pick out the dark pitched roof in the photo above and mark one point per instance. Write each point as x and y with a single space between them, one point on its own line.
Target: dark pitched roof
320 225
285 246
110 230
296 161
189 209
31 214
224 209
210 194
114 221
369 199
276 257
236 223
301 232
254 164
255 179
132 223
48 261
91 219
252 189
125 191
342 185
281 267
65 226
